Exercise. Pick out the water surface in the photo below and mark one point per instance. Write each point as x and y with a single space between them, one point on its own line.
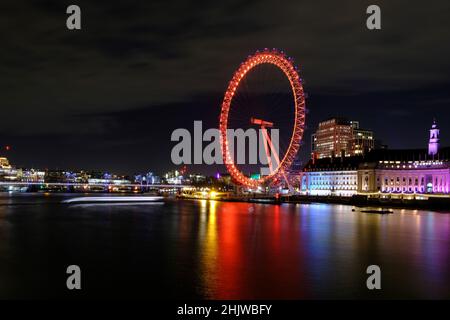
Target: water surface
219 250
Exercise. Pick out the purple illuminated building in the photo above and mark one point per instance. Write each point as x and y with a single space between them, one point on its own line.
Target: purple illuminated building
402 173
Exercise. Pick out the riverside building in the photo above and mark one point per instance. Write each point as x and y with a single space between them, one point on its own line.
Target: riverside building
381 172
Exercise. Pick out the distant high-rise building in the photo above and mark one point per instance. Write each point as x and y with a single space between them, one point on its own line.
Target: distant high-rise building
340 137
362 141
332 137
433 144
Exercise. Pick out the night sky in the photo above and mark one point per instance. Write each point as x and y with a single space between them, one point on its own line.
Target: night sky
108 96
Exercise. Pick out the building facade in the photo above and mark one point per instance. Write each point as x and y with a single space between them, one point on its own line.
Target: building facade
427 177
330 177
7 172
384 171
338 136
362 142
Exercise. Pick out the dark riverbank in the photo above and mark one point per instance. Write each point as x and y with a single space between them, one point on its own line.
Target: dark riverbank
436 204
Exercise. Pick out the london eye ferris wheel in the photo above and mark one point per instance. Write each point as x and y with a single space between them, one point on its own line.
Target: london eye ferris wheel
266 93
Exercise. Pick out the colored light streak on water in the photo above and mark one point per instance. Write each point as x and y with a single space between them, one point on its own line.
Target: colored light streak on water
404 245
231 253
208 243
242 250
437 255
316 230
282 255
328 248
314 250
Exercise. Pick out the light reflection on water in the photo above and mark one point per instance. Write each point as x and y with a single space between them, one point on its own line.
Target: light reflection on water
221 250
321 251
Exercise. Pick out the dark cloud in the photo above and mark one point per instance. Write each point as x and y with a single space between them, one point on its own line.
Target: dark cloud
139 69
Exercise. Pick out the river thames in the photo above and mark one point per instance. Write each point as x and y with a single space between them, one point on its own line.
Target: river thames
203 249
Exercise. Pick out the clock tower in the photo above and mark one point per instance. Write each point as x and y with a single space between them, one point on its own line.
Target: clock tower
433 144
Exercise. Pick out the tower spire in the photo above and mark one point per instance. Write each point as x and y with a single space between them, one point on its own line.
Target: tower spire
433 144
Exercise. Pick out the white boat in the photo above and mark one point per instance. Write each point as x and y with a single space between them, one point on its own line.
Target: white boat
114 199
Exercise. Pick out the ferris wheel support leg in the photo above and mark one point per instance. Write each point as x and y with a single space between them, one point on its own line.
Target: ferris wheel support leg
267 145
275 154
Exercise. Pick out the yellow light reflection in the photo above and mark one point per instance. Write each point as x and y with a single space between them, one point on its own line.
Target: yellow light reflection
209 252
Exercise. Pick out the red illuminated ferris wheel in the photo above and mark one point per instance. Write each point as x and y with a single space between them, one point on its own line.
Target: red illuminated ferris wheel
294 128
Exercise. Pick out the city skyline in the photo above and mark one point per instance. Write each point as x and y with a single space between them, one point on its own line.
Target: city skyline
221 169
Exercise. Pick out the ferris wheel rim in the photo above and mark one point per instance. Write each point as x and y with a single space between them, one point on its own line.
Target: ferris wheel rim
286 65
